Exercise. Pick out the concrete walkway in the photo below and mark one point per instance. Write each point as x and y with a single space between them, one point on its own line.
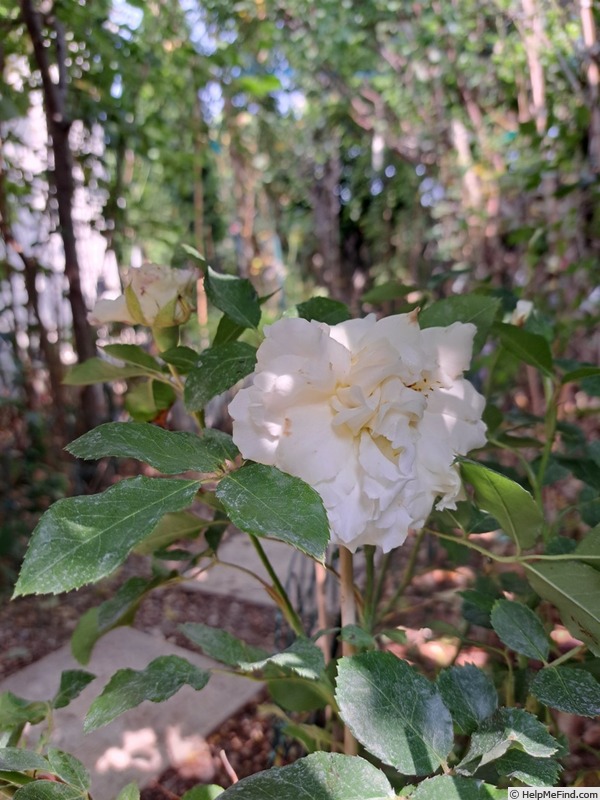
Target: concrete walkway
141 743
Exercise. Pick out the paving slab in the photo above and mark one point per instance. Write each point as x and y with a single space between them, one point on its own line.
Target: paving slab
144 741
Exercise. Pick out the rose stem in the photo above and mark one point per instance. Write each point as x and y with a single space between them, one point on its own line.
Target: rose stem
348 610
288 609
322 621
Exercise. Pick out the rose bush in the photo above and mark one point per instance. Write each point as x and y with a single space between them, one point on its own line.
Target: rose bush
371 413
154 295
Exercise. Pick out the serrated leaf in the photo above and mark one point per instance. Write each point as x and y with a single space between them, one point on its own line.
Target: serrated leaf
72 683
520 629
133 354
574 588
358 637
97 370
513 507
127 688
221 645
69 769
450 787
49 790
219 368
169 452
475 308
82 539
529 347
129 792
324 309
184 359
469 695
507 727
264 501
568 689
15 759
528 769
319 776
209 792
396 713
302 657
172 528
235 296
15 711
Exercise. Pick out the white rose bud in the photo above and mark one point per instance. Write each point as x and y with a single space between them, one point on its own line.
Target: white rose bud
370 413
157 296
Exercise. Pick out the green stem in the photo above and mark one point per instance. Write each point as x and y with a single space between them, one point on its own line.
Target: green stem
550 429
383 568
566 656
408 573
477 548
287 607
369 607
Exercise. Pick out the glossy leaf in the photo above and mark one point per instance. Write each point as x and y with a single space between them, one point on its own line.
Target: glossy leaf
97 370
574 588
580 373
529 347
169 452
319 776
82 539
235 296
529 770
520 629
15 759
184 359
68 769
302 657
219 368
449 787
127 688
469 695
478 309
324 309
172 528
72 683
513 507
133 354
264 501
221 645
506 728
396 713
568 689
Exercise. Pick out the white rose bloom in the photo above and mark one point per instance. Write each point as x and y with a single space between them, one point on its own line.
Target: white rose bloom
155 295
370 413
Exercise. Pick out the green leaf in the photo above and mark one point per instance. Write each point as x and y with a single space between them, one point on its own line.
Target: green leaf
69 769
227 331
588 548
219 368
507 727
169 452
15 711
324 309
118 610
580 373
72 683
475 308
319 776
172 528
529 347
184 359
235 296
574 588
258 85
127 688
396 713
449 787
15 759
133 354
97 370
358 637
129 792
528 769
520 629
264 501
221 645
295 694
513 507
49 790
572 690
302 658
390 290
82 539
208 792
469 694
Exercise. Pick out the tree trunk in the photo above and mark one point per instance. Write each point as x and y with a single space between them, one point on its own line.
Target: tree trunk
61 176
